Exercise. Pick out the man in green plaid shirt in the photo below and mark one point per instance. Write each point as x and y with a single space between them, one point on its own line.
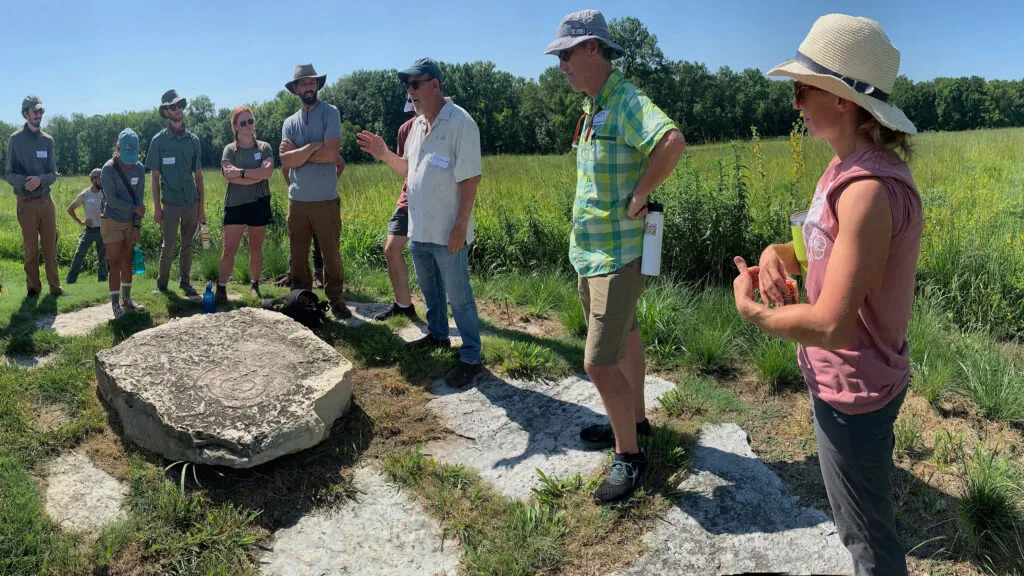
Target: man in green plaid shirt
626 146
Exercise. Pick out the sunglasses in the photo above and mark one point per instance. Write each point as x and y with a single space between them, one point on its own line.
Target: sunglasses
36 112
415 84
800 90
565 54
178 106
248 122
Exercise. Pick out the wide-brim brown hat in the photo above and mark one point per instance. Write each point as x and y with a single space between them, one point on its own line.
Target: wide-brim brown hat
306 71
852 58
170 98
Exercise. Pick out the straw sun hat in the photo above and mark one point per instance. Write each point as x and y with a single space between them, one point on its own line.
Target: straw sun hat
852 58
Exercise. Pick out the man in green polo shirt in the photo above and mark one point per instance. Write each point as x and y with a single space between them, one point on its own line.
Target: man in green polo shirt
31 169
626 147
177 182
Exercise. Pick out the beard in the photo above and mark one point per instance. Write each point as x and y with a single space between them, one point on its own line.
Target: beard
308 100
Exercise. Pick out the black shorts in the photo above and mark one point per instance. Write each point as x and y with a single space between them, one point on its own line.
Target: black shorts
250 214
399 223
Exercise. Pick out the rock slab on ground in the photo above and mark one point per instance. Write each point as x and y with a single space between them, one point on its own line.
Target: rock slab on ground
235 388
79 322
510 428
734 517
80 497
382 533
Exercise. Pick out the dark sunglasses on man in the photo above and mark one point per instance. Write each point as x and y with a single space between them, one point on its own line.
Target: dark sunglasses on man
415 84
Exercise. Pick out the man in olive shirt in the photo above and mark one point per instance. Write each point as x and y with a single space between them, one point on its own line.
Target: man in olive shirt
31 169
177 182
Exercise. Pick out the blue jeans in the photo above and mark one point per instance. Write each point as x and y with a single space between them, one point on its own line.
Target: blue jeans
87 238
442 276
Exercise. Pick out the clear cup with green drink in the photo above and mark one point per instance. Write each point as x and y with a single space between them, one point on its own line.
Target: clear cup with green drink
796 225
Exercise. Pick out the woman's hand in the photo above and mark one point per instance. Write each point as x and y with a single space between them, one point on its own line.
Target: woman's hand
743 285
772 277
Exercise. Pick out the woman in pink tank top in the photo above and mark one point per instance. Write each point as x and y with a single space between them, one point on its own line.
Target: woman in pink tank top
862 236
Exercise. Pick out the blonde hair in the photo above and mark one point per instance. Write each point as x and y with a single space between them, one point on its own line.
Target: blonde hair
884 137
234 128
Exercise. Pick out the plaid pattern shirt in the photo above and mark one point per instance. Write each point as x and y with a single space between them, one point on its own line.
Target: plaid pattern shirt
620 129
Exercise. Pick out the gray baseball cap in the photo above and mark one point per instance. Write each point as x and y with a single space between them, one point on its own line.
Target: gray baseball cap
421 67
580 27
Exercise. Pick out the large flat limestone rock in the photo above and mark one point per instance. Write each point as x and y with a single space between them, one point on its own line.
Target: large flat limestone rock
235 388
382 533
80 497
509 428
735 518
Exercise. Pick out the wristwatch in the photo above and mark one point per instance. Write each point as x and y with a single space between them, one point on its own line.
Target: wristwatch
243 172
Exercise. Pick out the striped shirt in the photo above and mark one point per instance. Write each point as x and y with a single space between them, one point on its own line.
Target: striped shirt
620 130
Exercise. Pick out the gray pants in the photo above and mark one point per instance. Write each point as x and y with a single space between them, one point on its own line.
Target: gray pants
88 237
855 453
187 219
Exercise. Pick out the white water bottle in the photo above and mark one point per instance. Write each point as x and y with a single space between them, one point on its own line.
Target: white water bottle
204 234
654 224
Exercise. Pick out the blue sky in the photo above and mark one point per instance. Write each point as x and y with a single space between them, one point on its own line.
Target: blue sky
102 56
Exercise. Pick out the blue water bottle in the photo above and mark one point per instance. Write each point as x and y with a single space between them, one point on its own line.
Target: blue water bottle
209 304
138 261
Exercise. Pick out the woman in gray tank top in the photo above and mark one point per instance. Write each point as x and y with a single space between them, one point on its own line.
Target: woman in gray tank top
247 165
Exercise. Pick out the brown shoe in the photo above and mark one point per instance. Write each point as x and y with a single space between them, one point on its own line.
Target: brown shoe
221 296
340 311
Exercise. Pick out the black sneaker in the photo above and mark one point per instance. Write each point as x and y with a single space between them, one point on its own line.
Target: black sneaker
626 476
188 290
221 295
601 436
396 310
160 289
462 374
429 341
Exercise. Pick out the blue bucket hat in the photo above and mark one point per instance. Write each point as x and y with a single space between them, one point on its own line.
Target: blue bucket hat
128 146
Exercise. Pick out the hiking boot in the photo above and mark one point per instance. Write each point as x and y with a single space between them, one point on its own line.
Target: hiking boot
129 304
117 310
429 341
284 280
318 279
188 290
59 293
254 289
396 310
462 374
340 311
601 436
221 295
160 289
623 480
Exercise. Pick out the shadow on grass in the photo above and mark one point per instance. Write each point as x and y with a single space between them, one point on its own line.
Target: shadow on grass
25 334
292 486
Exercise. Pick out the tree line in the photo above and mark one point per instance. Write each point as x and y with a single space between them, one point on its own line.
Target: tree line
525 116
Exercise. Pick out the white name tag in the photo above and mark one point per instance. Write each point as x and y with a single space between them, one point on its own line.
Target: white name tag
41 153
135 181
600 117
439 160
257 155
169 160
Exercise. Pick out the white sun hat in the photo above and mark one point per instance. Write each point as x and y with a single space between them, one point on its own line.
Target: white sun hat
852 58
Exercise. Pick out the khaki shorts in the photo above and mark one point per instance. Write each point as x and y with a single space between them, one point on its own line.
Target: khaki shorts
609 303
113 231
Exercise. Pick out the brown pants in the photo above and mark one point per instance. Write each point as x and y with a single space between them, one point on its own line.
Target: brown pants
187 218
323 220
38 220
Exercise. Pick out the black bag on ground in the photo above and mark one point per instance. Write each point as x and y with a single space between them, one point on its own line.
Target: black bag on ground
300 305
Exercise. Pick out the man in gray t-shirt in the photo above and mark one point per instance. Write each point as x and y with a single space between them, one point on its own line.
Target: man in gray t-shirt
309 146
